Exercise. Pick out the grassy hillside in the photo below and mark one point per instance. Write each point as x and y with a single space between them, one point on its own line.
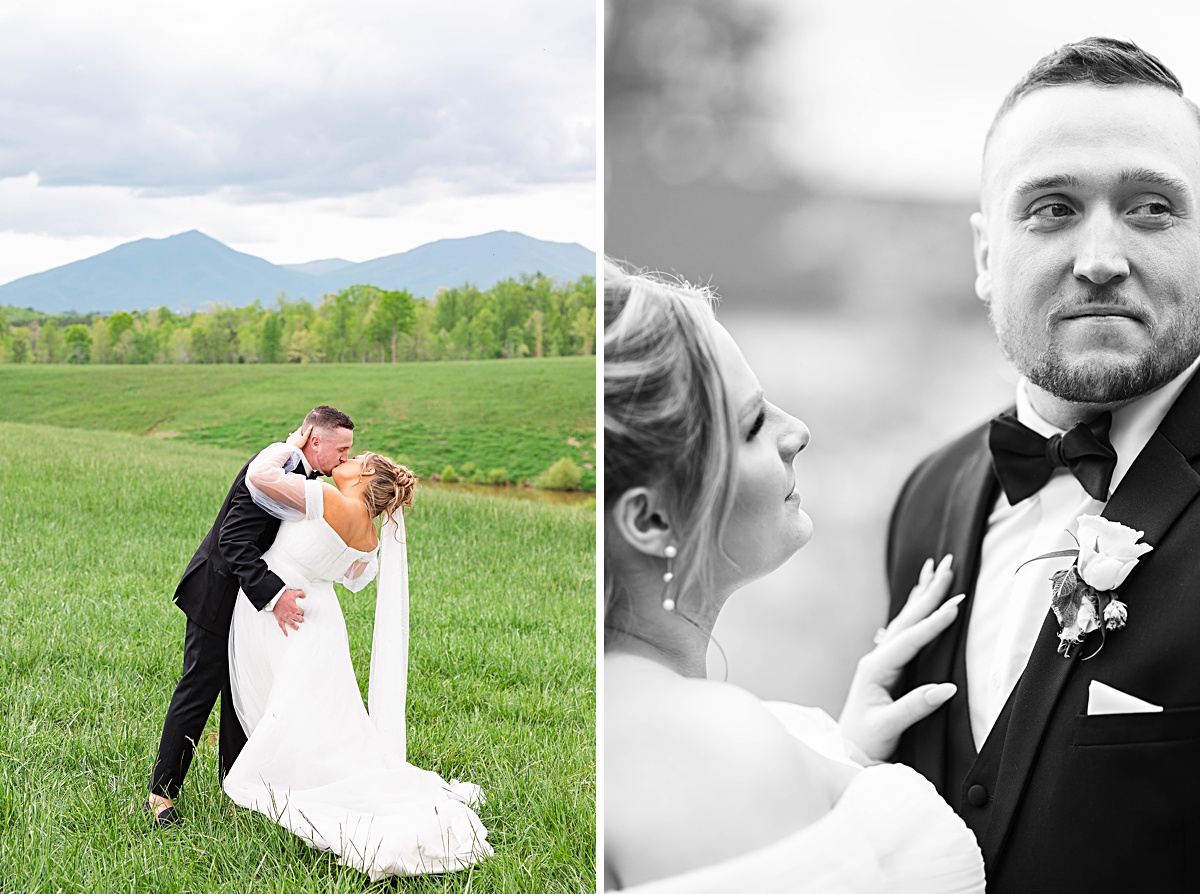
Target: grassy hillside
517 415
96 528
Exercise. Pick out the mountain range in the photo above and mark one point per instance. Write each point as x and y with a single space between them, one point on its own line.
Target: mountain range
192 269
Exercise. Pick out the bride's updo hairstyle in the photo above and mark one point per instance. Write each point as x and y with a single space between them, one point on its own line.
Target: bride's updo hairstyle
390 489
666 418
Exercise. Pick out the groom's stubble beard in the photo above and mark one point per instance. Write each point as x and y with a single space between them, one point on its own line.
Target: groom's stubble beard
1092 381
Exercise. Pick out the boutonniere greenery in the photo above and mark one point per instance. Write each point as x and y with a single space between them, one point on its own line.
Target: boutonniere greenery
1082 596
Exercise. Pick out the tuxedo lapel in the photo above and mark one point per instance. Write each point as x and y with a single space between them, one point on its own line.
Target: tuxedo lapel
1157 488
962 528
1033 701
1162 482
1159 485
962 532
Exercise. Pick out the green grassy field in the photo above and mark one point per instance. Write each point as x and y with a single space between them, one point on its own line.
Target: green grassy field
516 415
95 529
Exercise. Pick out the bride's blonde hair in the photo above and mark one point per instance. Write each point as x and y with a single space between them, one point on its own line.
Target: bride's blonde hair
666 417
390 489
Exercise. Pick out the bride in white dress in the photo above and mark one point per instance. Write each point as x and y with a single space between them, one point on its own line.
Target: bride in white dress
315 761
706 787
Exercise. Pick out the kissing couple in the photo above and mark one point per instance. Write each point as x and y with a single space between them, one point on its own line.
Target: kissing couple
265 631
1031 712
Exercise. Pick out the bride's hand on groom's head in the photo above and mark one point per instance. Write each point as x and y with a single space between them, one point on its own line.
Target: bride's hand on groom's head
872 718
299 437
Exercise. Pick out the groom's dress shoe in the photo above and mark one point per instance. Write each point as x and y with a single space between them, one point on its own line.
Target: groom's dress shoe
165 818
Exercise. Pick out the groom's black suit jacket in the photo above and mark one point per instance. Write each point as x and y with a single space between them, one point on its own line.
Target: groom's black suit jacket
1060 800
229 558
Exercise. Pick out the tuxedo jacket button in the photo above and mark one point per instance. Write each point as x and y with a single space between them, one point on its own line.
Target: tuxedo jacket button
977 795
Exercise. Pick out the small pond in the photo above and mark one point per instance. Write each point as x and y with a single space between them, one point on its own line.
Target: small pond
530 494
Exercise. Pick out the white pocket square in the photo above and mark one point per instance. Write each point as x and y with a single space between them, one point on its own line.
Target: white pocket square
1104 699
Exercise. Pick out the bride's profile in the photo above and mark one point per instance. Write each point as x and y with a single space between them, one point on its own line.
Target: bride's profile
706 787
316 761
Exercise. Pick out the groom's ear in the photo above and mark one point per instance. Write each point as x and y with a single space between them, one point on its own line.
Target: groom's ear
641 521
983 270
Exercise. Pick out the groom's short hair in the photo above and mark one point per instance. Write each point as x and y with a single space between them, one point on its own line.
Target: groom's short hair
327 419
1099 61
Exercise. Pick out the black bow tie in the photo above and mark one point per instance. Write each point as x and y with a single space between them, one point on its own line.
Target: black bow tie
1024 460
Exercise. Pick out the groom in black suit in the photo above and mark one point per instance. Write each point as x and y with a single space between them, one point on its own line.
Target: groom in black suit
1076 772
229 559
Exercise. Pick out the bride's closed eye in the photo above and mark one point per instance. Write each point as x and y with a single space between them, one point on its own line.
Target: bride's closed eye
757 426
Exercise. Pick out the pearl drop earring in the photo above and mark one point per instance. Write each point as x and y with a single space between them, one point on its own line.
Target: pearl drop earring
668 603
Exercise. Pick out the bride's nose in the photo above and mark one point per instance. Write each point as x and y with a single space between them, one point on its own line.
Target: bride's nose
794 439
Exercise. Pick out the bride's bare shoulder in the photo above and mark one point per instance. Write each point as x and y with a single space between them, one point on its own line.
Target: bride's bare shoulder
345 515
701 769
663 718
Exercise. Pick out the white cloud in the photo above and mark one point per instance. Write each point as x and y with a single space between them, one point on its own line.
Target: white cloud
332 127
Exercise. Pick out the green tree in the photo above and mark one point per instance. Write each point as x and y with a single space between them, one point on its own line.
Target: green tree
79 343
178 346
422 342
458 341
584 328
118 324
537 326
162 323
207 343
19 346
270 339
101 340
143 344
446 309
342 316
514 343
304 347
50 346
362 323
485 343
391 315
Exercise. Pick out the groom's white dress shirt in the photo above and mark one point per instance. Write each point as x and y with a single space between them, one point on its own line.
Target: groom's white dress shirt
1010 605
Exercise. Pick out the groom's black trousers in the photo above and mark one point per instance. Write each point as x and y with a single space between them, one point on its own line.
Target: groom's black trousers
205 676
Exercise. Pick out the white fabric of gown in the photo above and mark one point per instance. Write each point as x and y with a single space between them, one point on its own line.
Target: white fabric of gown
314 761
889 833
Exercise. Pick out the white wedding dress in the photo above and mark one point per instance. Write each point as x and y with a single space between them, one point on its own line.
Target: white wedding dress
889 833
315 761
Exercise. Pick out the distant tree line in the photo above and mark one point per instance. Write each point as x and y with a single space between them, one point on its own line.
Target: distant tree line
530 317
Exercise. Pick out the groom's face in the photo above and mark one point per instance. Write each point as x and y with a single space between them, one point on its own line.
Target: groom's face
330 449
1087 247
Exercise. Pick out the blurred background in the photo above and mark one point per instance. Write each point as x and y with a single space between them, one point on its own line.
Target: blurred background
817 163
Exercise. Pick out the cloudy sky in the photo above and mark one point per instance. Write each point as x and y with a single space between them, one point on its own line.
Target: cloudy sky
293 129
891 97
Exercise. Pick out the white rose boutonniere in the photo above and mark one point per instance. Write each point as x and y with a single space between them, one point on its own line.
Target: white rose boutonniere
1108 550
1082 596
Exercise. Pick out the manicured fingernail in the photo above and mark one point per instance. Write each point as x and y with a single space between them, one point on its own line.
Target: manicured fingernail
940 694
954 600
947 560
926 572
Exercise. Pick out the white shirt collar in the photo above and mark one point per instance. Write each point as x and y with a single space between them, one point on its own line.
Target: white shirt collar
304 462
1132 424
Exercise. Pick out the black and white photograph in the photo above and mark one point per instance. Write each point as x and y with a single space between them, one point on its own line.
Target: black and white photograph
901 444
